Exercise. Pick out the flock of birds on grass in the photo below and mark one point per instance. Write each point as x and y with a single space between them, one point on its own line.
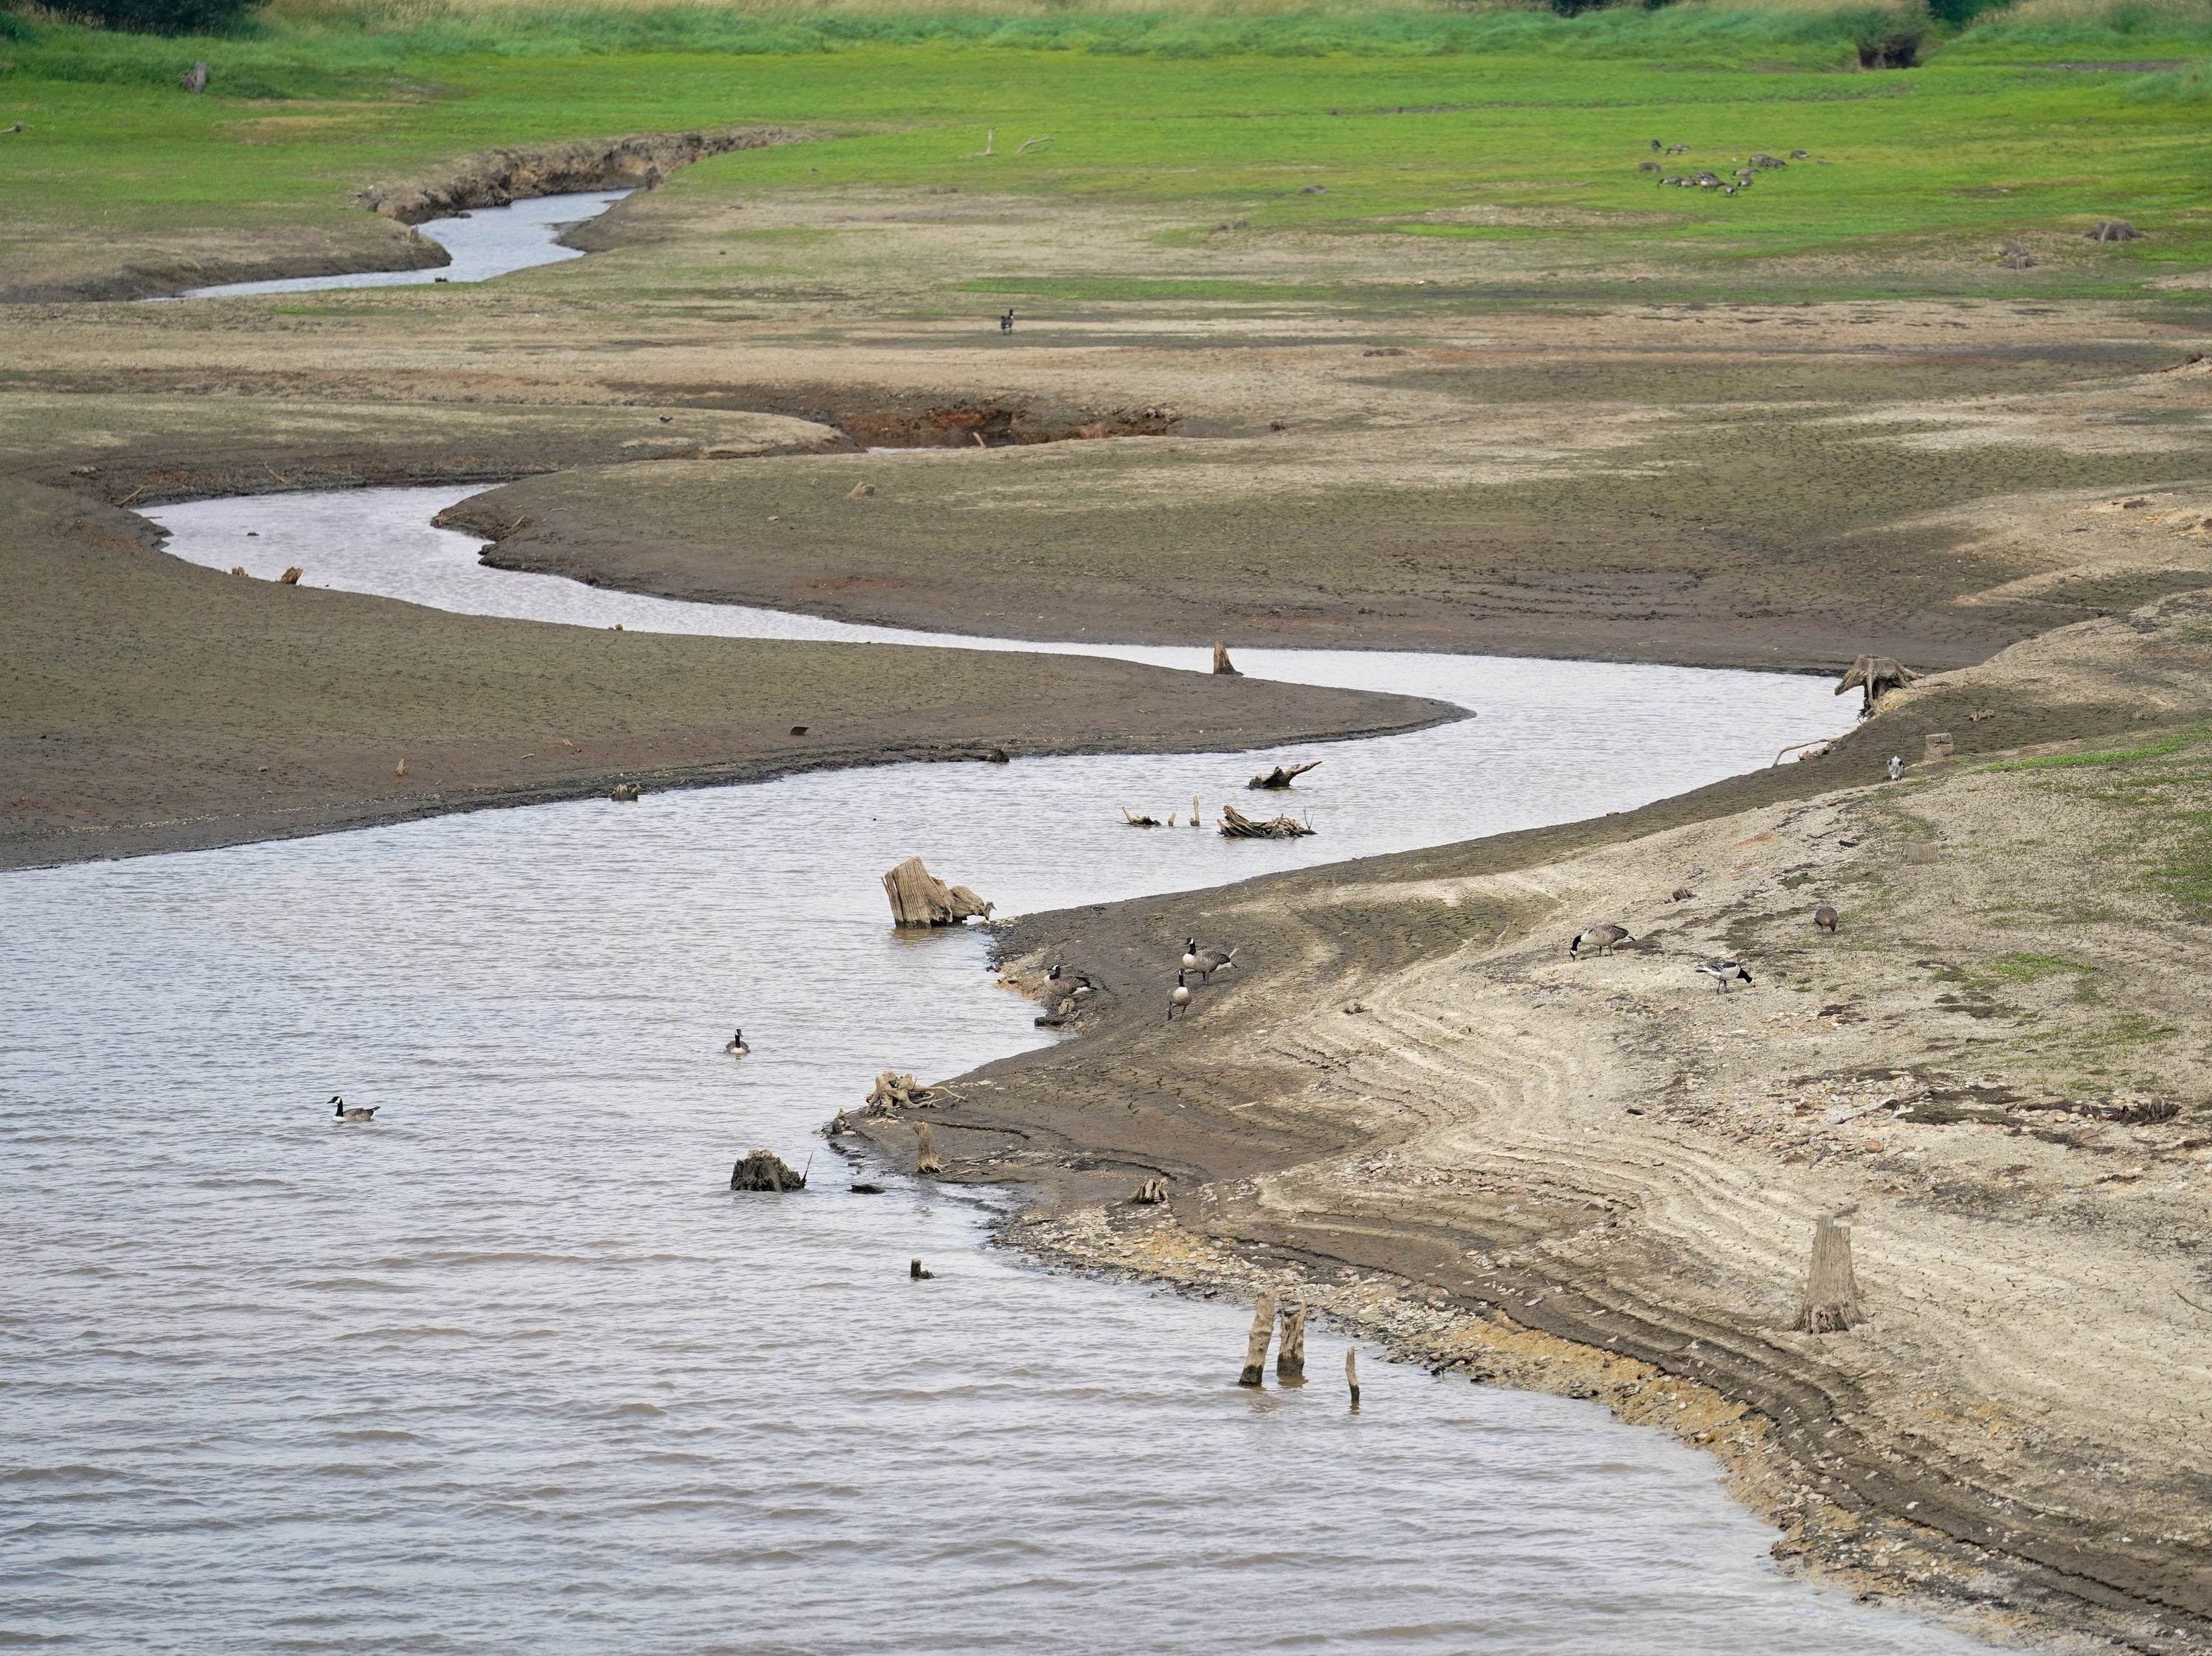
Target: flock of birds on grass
1709 180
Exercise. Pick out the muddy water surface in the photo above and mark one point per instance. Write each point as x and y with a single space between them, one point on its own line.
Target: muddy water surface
512 1370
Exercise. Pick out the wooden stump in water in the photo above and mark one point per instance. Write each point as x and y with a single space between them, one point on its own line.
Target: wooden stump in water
1290 1352
1235 825
1351 1376
1282 775
1832 1291
765 1170
1255 1348
920 898
925 1151
1221 662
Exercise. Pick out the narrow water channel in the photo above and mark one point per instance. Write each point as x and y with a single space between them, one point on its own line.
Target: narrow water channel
513 1370
488 242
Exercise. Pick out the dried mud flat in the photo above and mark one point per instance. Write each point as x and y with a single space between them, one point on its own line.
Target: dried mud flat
1409 1108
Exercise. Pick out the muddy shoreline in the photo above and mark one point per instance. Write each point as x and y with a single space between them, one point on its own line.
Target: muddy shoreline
1408 1109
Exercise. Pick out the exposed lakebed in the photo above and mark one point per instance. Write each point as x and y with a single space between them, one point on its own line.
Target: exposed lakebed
512 1370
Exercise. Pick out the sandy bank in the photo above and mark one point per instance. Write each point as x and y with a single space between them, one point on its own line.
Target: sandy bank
1601 1176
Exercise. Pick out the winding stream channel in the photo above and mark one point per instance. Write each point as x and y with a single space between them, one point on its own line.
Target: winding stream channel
513 1370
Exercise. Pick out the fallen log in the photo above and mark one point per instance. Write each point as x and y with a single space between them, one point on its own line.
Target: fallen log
765 1170
1281 776
1145 821
920 898
1236 825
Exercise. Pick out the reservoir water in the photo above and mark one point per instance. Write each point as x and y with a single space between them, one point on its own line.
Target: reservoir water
513 1370
487 242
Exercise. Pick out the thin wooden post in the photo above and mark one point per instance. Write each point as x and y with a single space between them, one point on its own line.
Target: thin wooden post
924 1152
1290 1352
1255 1349
1351 1376
1832 1291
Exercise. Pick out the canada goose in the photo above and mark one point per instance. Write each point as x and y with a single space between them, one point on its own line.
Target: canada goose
1599 939
1190 954
1178 998
1825 918
1211 961
1724 972
340 1111
1068 984
737 1048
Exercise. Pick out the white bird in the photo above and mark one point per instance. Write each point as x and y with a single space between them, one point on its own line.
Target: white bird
737 1048
1178 998
1724 972
340 1112
1600 939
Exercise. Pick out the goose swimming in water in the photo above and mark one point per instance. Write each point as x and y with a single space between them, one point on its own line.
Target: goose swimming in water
340 1111
737 1048
1724 972
1599 939
1178 998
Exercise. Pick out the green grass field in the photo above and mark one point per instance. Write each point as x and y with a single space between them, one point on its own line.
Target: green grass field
1519 125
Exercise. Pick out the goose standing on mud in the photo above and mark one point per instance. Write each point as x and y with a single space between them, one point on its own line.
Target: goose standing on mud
1825 918
737 1048
1178 998
1599 939
343 1112
1724 972
1211 961
1190 954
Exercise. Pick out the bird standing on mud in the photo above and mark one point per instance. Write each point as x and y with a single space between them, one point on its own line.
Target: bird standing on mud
1825 918
1178 998
1724 972
343 1112
1599 939
1207 962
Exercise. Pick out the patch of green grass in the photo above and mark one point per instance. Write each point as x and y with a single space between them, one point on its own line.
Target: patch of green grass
2055 761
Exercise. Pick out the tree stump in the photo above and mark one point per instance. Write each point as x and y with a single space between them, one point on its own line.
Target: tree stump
1875 677
919 898
895 1091
291 577
925 1151
1290 1351
1831 1292
1150 1193
1235 825
765 1170
1255 1348
1352 1375
1221 664
1938 747
1282 775
194 80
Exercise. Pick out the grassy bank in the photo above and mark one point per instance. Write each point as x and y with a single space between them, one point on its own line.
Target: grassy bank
1476 127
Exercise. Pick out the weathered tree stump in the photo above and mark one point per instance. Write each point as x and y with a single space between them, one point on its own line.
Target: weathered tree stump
1235 825
1832 1291
896 1091
1221 664
925 1151
1255 1348
1150 1193
1351 1376
920 898
1875 677
1938 747
1281 776
291 577
765 1170
626 792
194 80
1291 1350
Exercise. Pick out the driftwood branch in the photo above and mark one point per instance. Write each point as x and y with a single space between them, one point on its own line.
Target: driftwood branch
1282 775
1236 825
1033 144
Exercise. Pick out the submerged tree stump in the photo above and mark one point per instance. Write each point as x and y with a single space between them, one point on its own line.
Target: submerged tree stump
1235 825
1290 1351
765 1170
1281 776
1832 1291
1352 1375
920 898
1255 1348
